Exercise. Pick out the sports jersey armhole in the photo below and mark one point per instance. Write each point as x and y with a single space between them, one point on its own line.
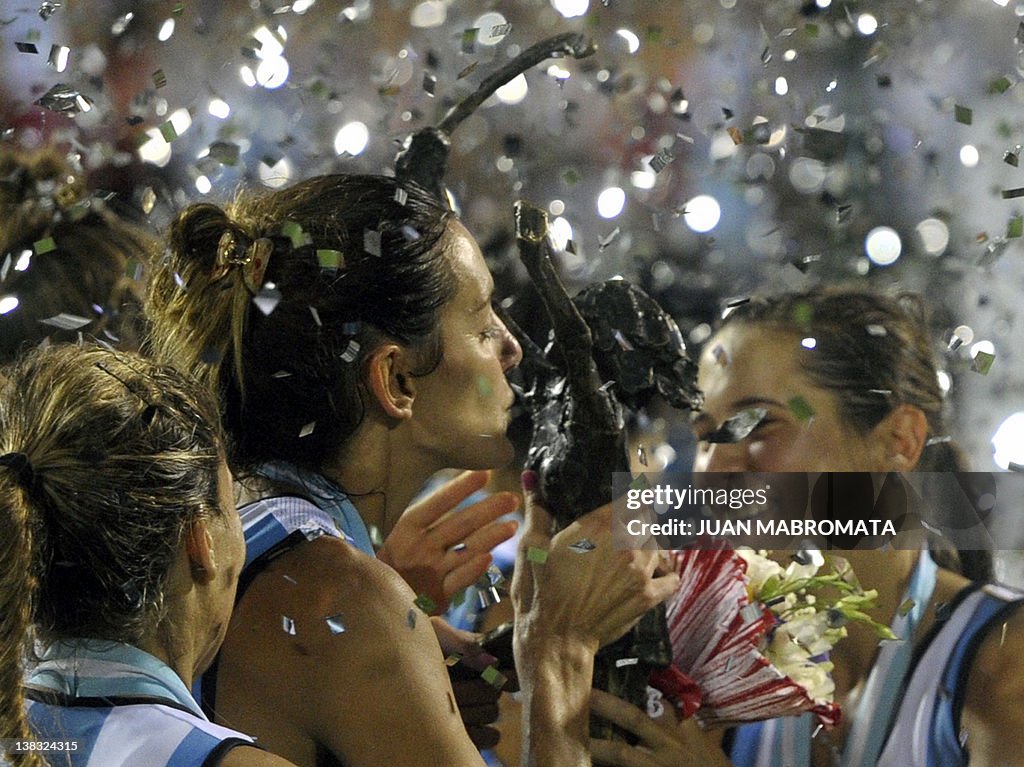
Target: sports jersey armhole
215 757
971 651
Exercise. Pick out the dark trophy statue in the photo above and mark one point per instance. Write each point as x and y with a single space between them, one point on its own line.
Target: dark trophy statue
614 348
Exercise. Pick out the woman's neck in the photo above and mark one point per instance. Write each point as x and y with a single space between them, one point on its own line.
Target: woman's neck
381 475
888 573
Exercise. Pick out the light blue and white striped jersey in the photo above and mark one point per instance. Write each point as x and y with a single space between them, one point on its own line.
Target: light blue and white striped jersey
927 730
121 707
319 507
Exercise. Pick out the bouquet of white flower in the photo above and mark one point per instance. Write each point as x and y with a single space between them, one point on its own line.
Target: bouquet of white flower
754 637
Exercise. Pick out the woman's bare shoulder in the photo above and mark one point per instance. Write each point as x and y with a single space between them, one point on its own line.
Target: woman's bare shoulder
992 718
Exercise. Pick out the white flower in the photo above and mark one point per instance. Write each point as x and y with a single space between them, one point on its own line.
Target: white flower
796 571
795 662
759 568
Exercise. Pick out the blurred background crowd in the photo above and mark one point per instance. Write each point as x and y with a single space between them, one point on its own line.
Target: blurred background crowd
707 150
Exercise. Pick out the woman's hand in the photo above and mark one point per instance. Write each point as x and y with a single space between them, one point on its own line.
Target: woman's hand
590 594
663 742
569 602
426 544
477 699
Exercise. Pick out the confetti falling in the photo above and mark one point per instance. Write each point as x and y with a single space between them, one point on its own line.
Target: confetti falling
582 546
800 408
351 351
335 623
267 298
288 626
47 8
797 219
65 321
738 427
65 99
982 362
426 604
371 242
493 677
536 555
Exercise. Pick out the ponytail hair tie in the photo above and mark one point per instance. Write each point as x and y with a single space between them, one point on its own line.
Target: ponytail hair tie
22 468
251 258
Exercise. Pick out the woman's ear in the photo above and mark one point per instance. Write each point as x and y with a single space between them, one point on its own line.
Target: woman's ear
199 546
903 434
390 381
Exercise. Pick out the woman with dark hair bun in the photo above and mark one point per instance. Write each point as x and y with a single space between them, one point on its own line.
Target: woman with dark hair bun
346 324
845 380
120 550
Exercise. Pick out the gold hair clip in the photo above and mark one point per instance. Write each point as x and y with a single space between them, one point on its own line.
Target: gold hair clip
253 260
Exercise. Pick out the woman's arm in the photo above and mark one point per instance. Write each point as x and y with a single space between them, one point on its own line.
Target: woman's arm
993 718
250 756
375 693
568 604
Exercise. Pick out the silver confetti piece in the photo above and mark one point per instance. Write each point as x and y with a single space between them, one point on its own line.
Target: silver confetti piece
267 299
121 24
623 662
582 546
65 321
371 242
661 160
335 623
351 351
608 239
750 613
65 99
288 625
737 428
641 454
47 9
487 597
307 429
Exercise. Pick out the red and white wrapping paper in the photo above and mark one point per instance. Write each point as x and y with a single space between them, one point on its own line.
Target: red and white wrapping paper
717 636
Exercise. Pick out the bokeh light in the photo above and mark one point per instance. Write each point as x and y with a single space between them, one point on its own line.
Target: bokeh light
610 202
702 213
352 138
1008 442
571 8
883 246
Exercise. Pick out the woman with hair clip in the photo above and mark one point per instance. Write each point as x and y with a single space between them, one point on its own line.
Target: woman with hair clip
63 252
942 695
120 550
346 324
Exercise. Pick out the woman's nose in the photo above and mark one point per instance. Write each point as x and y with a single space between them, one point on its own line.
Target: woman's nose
721 456
511 351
